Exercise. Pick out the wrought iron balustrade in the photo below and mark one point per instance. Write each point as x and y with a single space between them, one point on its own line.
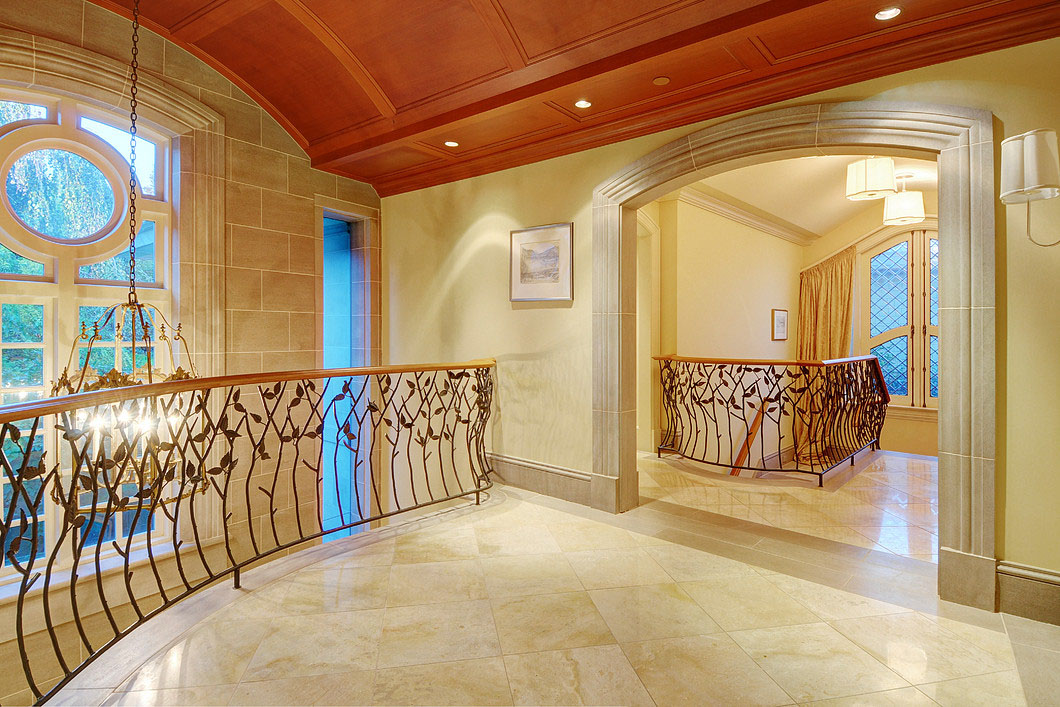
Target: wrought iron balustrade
120 503
770 416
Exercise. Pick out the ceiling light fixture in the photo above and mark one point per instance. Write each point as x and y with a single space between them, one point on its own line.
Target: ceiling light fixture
451 143
872 178
905 207
582 104
888 13
661 80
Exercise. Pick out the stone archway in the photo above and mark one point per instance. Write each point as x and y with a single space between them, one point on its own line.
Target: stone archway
961 139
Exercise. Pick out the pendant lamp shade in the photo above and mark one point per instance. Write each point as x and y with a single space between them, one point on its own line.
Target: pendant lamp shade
903 208
872 178
1030 167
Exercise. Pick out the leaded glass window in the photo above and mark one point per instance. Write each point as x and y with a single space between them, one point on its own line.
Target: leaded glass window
889 289
894 360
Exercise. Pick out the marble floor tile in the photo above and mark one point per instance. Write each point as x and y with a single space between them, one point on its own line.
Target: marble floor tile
598 675
902 540
602 569
860 514
901 697
1039 670
816 662
549 622
175 696
436 633
317 644
830 603
925 515
573 536
315 591
919 649
257 605
345 688
686 564
434 582
992 690
468 682
745 602
528 574
651 611
700 496
373 554
522 539
702 670
75 698
436 545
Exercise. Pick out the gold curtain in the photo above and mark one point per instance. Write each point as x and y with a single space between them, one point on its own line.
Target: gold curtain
825 324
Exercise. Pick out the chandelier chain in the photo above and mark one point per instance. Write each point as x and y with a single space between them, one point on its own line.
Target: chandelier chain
134 76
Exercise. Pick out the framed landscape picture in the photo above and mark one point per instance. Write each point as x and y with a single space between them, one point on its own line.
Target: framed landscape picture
542 263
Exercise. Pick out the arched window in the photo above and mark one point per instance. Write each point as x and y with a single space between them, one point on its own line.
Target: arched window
64 235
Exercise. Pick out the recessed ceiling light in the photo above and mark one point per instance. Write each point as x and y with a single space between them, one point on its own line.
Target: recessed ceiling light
888 13
451 143
661 80
582 104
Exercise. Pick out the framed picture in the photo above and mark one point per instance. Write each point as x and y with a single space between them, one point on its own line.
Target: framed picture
780 325
542 263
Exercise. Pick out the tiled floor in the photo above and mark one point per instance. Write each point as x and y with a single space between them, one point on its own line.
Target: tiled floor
529 600
887 501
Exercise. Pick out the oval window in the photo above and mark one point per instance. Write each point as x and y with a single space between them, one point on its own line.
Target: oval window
59 194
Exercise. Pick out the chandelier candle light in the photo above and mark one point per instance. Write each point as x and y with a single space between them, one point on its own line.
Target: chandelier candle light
131 320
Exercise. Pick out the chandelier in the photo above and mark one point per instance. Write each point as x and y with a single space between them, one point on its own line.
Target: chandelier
141 325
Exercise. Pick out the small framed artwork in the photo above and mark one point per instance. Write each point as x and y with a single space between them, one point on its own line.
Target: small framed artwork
780 325
542 263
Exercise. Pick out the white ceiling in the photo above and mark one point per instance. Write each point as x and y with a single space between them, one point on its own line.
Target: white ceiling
808 192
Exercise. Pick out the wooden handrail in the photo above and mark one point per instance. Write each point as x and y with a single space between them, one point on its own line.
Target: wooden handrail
77 401
763 362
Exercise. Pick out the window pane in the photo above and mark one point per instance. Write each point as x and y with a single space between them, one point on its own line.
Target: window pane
12 111
60 194
89 315
102 358
146 152
934 353
141 358
21 397
22 368
888 289
894 360
94 530
12 262
132 320
117 268
24 498
933 246
23 535
22 323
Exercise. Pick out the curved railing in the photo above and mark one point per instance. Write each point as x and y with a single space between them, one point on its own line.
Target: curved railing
768 416
119 503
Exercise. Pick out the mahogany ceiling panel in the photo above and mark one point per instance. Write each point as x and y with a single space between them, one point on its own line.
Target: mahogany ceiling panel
445 44
395 160
282 59
498 131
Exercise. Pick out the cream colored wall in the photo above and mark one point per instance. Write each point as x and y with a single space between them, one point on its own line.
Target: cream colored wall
447 289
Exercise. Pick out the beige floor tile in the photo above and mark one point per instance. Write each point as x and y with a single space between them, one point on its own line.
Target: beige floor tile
902 697
434 582
257 605
602 569
214 653
468 682
599 675
374 554
515 540
995 642
992 690
902 540
816 662
701 496
316 591
436 544
744 602
643 540
177 697
528 574
843 534
346 688
573 536
794 516
436 633
925 515
76 698
671 478
652 611
702 670
830 603
549 622
919 649
317 644
859 514
686 564
875 494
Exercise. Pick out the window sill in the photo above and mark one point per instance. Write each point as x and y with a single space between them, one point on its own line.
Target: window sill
913 414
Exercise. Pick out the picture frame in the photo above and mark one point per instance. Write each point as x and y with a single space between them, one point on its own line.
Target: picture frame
779 331
541 264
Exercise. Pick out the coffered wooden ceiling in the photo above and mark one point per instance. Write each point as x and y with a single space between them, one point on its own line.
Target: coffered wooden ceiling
372 89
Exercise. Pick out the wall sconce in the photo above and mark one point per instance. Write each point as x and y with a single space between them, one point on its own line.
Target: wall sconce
871 178
1030 170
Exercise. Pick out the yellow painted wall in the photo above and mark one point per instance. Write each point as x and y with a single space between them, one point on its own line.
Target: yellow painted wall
447 289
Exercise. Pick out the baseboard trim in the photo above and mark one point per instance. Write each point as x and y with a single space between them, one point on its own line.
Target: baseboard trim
549 479
968 579
1030 592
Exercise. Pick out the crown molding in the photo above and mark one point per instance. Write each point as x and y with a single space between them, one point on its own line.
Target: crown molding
739 214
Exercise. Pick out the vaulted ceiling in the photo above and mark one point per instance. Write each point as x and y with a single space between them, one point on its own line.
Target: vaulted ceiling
374 89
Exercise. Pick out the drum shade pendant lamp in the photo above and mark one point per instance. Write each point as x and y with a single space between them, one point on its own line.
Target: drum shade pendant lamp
871 178
1030 171
145 334
905 207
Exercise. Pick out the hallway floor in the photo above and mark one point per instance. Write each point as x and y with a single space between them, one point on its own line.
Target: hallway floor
530 600
887 501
